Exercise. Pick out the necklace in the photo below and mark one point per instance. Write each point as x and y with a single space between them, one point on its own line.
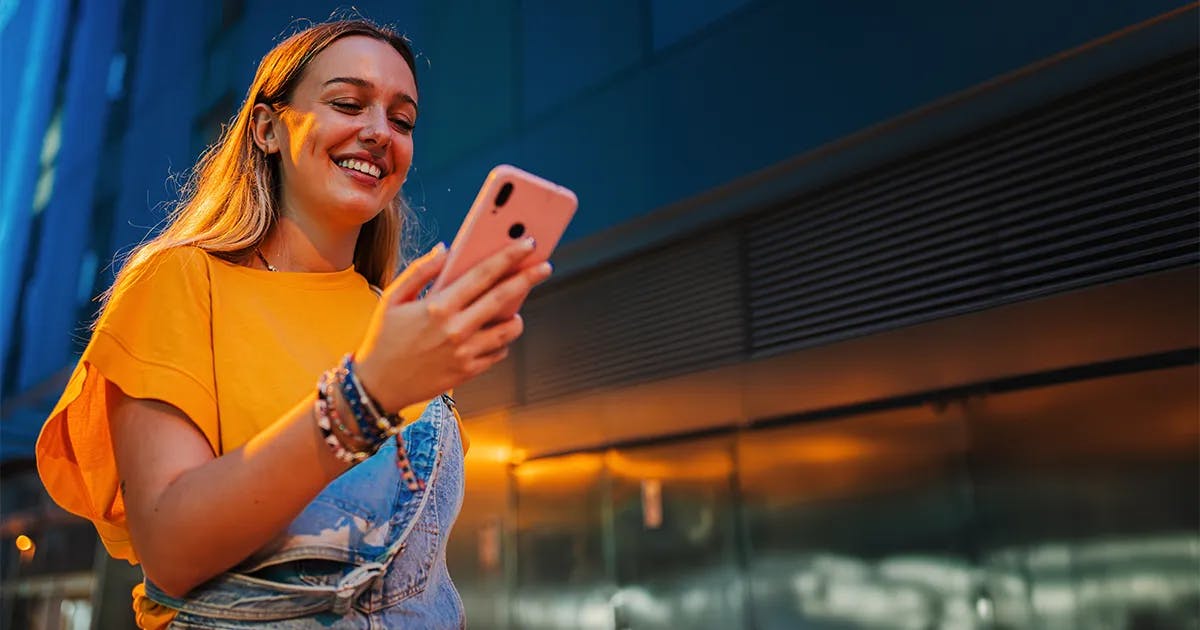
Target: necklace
270 267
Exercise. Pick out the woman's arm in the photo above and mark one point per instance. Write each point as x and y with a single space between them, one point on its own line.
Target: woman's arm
193 515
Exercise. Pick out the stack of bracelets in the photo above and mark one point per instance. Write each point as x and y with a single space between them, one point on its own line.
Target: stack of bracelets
371 429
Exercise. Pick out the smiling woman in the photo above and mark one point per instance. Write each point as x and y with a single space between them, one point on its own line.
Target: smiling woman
267 433
357 125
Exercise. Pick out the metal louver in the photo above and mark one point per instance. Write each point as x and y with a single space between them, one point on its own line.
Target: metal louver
1093 187
673 310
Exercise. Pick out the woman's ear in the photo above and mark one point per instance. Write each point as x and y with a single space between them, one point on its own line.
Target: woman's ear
263 123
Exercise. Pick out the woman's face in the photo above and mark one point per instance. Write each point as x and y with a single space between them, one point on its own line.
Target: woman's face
345 140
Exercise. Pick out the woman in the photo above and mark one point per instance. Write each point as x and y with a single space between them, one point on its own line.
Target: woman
216 430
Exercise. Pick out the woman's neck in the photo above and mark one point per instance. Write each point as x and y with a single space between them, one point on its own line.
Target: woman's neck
294 245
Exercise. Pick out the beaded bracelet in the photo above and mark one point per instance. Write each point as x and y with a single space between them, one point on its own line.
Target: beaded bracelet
393 422
388 425
374 428
323 410
365 411
344 432
381 419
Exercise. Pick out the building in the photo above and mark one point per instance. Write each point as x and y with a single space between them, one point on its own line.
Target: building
814 244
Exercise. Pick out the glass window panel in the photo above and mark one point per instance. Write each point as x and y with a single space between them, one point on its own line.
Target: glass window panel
675 537
561 573
1088 502
858 522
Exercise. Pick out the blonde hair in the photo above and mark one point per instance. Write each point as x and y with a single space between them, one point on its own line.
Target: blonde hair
230 200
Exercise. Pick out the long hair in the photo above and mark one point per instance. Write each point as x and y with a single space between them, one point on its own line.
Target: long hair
231 198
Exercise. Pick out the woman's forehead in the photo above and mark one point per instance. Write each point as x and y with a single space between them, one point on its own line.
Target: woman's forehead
365 58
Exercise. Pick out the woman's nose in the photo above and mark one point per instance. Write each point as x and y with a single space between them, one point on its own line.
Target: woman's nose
375 127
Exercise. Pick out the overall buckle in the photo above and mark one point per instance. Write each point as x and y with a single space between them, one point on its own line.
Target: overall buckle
350 587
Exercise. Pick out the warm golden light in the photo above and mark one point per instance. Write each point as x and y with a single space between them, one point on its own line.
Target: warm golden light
701 466
564 470
829 449
24 543
493 453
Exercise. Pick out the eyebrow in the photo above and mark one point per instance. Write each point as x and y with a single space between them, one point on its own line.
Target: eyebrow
365 84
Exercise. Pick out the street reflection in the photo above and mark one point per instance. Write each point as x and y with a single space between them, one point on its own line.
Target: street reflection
1092 585
1066 506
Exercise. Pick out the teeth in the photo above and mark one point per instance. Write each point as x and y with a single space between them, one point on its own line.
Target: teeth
362 167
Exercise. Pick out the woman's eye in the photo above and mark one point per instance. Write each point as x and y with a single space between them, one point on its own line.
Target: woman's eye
403 125
347 106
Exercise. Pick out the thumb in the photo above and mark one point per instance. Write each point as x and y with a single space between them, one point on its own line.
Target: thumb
420 272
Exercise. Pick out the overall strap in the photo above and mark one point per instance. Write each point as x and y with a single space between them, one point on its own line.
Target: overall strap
390 553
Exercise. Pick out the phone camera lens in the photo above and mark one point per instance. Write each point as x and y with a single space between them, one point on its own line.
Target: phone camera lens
504 194
516 230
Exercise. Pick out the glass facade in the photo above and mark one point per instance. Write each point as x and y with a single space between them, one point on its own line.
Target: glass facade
1070 505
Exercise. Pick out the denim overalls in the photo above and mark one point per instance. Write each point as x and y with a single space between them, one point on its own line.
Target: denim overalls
367 553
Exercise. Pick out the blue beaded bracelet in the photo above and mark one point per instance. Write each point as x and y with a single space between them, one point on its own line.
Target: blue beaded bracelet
373 425
366 412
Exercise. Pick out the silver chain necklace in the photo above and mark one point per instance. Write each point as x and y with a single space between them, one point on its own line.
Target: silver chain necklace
270 267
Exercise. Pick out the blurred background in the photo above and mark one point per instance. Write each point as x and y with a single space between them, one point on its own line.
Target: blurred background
874 314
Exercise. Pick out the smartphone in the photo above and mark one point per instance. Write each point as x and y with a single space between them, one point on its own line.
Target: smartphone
511 204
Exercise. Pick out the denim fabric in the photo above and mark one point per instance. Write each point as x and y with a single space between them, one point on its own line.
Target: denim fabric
367 553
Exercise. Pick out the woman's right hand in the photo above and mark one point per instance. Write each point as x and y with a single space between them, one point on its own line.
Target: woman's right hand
416 349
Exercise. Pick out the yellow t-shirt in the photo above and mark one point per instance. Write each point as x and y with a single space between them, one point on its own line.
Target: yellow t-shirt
234 348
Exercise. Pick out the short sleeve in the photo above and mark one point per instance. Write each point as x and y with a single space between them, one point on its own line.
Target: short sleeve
153 341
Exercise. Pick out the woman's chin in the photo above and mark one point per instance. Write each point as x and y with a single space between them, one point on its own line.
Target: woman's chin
358 211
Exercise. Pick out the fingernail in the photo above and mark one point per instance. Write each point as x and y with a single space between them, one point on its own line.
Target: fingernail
441 247
529 243
546 268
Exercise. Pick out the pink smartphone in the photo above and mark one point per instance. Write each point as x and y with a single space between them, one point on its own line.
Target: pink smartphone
511 204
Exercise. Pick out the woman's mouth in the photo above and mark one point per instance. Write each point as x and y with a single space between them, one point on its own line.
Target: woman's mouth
360 171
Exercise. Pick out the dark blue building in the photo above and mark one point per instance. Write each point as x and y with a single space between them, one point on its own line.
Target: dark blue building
754 178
